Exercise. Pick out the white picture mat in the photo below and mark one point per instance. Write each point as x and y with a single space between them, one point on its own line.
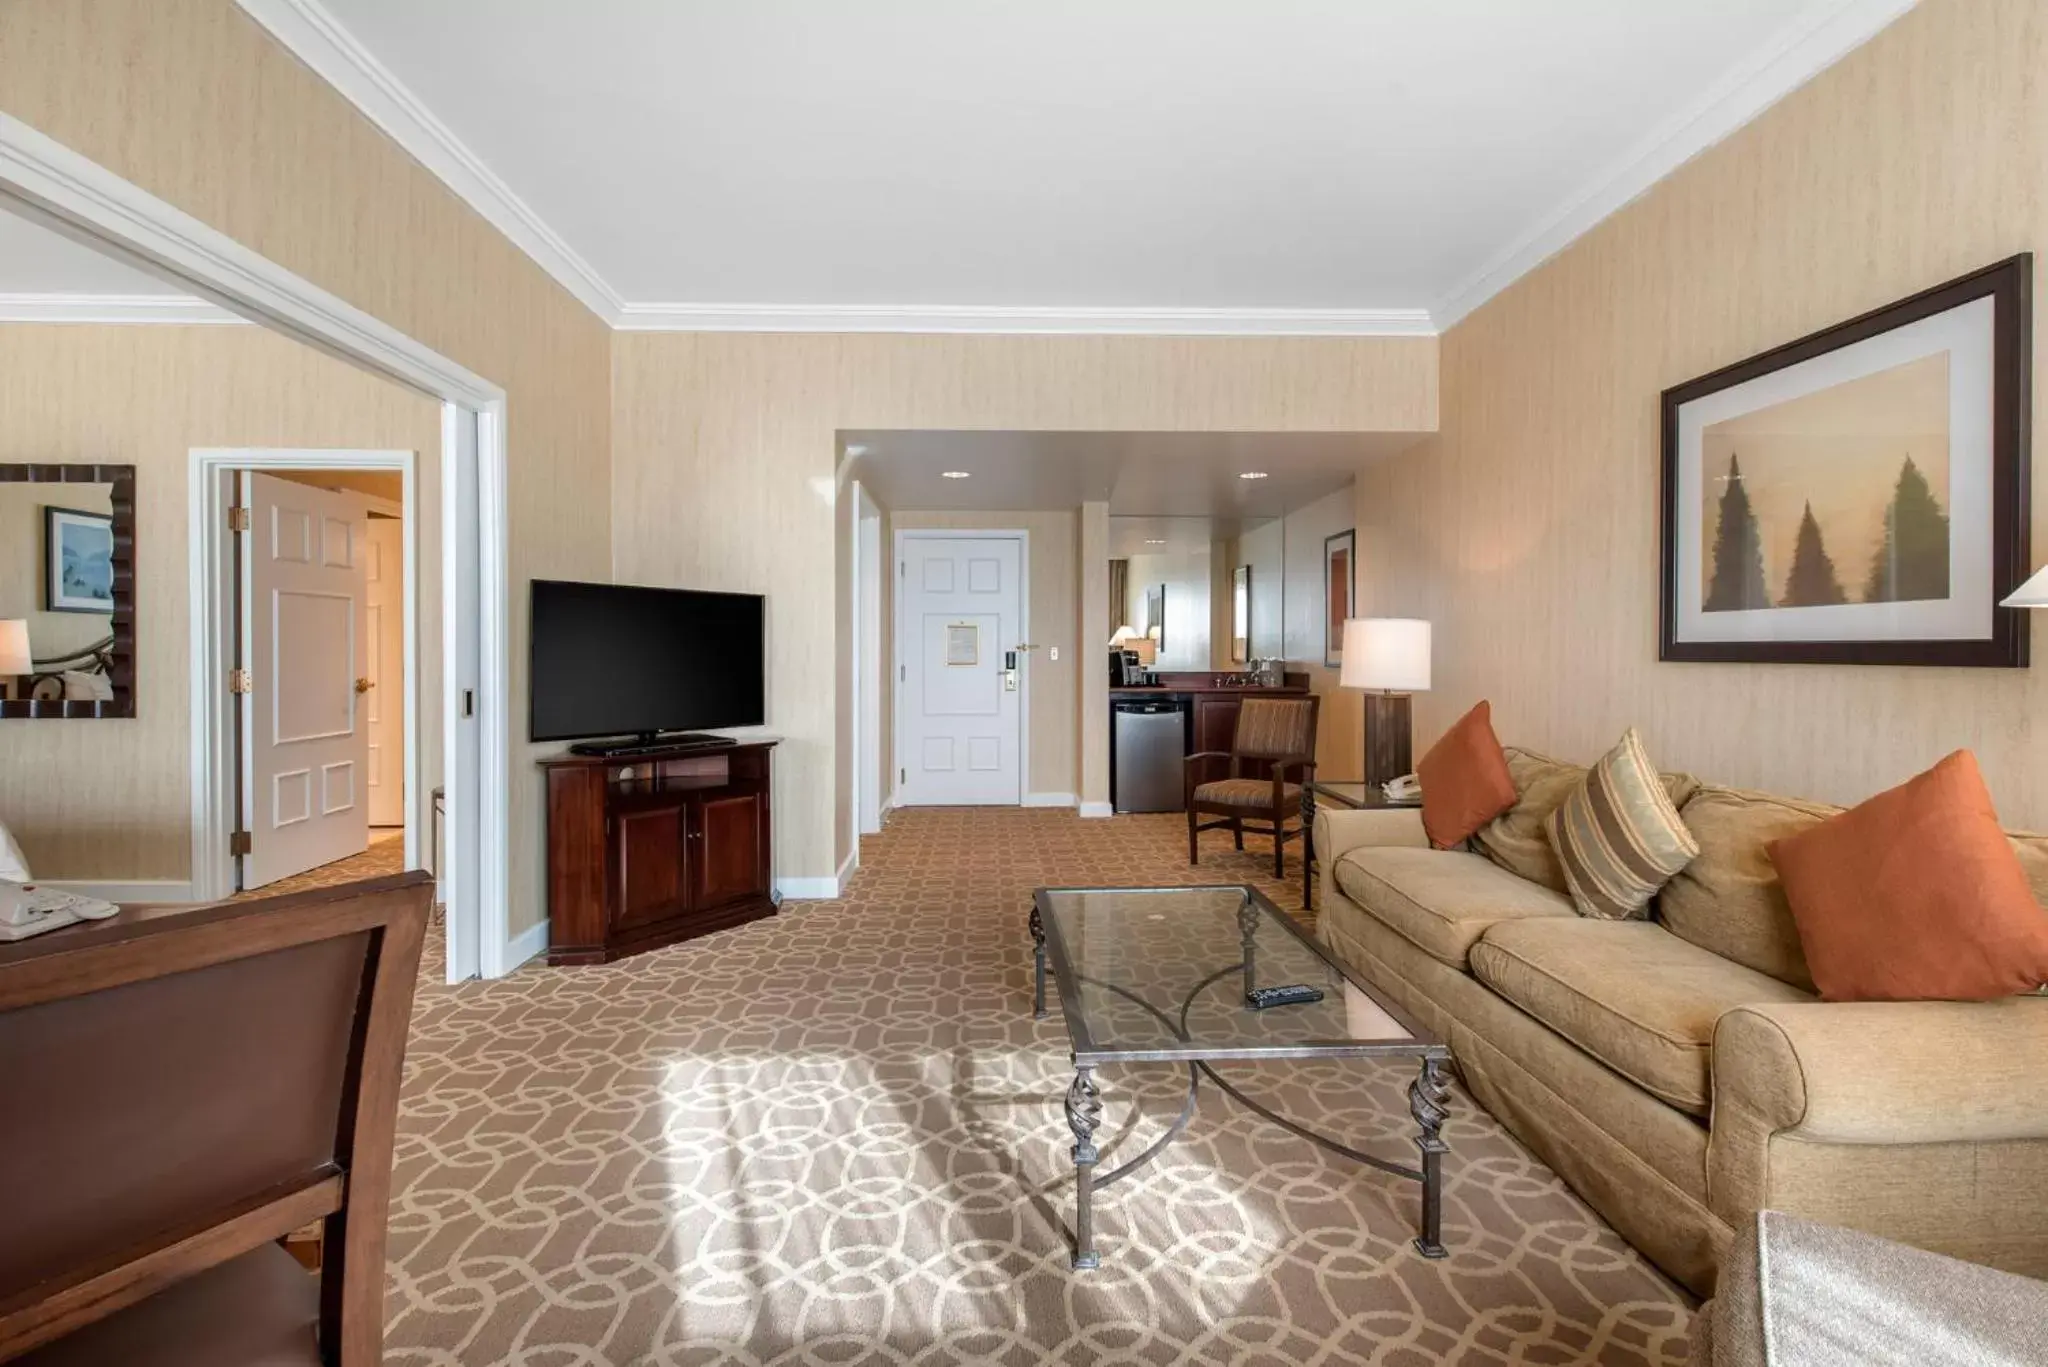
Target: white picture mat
1965 333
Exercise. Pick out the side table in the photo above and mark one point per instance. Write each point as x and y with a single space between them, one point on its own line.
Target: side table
1337 793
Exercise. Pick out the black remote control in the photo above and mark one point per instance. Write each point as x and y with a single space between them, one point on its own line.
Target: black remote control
1259 998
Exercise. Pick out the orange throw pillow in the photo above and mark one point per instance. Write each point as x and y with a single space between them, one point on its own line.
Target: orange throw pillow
1916 896
1465 780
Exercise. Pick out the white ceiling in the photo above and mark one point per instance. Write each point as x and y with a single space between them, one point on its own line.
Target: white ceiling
1147 474
46 277
796 162
38 260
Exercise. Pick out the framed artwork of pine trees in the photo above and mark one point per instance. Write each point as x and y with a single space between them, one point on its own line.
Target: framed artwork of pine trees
1858 496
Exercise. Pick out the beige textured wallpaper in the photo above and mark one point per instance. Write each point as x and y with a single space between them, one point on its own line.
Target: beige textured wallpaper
193 102
107 800
1527 531
724 447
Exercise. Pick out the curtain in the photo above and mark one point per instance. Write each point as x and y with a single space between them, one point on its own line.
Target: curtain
1119 594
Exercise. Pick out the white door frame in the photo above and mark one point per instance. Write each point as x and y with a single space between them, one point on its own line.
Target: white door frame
47 181
871 787
213 645
897 651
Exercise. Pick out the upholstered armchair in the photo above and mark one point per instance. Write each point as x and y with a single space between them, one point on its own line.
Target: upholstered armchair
1272 754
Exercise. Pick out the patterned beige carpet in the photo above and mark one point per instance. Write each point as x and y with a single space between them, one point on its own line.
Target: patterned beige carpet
836 1137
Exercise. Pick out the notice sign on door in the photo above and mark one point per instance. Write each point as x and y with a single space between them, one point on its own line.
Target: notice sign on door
963 644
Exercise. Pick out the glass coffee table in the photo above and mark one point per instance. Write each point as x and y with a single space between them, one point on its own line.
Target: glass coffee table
1159 975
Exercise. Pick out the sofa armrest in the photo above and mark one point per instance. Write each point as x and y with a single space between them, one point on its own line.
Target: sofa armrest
1339 830
1888 1072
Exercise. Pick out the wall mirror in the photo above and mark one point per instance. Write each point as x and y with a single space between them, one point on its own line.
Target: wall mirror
67 591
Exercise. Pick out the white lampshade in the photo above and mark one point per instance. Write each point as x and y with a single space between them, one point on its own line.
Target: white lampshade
2032 594
1390 654
14 657
1124 636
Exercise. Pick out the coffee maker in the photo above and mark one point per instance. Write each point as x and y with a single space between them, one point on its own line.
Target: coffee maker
1127 670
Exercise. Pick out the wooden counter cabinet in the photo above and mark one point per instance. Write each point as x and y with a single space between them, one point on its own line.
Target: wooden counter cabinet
647 851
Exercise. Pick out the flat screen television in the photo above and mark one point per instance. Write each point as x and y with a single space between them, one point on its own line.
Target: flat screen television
621 660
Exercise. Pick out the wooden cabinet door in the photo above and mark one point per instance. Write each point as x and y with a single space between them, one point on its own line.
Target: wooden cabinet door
1215 723
652 878
730 843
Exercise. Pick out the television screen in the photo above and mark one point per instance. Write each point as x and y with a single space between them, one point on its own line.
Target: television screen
618 660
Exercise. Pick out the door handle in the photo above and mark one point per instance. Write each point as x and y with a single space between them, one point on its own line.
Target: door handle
364 685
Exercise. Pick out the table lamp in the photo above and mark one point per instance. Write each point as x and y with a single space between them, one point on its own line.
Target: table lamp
1387 657
14 656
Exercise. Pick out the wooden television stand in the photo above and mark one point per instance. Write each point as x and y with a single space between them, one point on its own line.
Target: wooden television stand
646 851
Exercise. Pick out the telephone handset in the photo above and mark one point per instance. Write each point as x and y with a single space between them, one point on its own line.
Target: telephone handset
1407 788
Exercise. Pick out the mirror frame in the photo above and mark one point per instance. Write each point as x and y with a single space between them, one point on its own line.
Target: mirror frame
121 654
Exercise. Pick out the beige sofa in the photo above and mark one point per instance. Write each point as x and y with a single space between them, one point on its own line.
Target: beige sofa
1679 1072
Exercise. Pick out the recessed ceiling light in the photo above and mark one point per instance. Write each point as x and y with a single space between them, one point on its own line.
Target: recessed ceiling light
953 474
1253 474
1156 541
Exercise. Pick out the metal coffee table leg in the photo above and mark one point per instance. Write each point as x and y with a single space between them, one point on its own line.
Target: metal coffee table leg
1084 1114
1429 1102
1038 963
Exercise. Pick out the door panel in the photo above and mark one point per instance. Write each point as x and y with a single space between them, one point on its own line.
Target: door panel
959 735
653 865
305 750
384 667
728 849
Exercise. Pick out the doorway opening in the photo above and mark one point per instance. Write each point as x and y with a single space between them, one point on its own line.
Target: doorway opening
962 709
315 630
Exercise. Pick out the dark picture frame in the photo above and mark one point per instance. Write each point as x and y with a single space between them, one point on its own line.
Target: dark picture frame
1340 592
119 649
56 522
1154 625
2009 285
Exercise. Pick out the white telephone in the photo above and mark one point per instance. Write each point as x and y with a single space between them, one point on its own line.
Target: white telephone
1407 788
27 909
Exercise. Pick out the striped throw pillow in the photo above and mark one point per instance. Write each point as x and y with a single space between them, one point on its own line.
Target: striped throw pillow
1618 836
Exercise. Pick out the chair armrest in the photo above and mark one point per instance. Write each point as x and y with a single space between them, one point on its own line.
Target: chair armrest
1206 754
1339 830
1887 1072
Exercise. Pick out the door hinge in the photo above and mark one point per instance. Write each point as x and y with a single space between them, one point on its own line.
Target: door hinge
238 842
238 519
903 776
239 681
902 673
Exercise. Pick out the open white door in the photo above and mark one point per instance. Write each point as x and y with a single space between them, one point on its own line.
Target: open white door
305 744
384 667
959 624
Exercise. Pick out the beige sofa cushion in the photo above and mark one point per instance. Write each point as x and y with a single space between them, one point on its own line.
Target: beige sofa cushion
1516 840
1440 901
1631 994
1729 900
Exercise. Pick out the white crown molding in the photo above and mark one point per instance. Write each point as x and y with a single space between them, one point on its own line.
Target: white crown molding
1013 320
1825 34
182 310
317 38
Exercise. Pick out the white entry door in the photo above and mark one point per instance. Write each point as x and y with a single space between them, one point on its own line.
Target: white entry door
384 667
959 705
305 742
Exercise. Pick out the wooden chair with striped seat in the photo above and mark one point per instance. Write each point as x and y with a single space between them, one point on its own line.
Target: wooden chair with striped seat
1275 738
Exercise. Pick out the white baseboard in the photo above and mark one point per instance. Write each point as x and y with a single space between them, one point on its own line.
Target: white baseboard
129 890
1097 809
527 944
1049 799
